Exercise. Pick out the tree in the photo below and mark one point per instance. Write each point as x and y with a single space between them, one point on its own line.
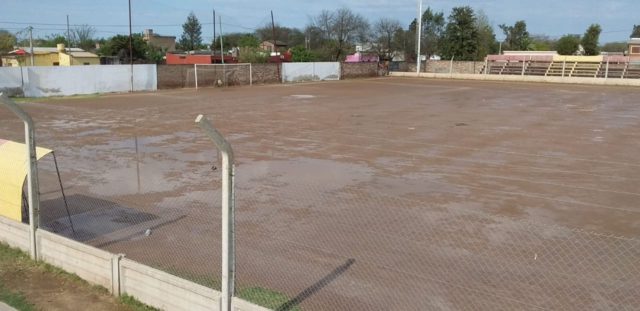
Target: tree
432 31
290 36
615 47
300 54
636 31
461 36
7 41
568 44
486 37
82 37
541 43
590 40
517 36
236 39
340 30
384 31
191 38
118 45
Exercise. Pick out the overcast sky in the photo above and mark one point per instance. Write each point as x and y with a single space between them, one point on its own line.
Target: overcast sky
551 17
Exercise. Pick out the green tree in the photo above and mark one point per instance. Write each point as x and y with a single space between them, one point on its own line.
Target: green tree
191 38
300 54
7 41
615 47
289 36
517 36
568 44
433 24
461 36
541 43
635 33
248 40
118 45
486 37
52 40
252 55
591 39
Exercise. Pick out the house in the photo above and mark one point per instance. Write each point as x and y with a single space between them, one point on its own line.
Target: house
166 43
58 56
634 47
269 46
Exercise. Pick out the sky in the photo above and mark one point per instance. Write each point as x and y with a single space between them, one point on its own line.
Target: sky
551 17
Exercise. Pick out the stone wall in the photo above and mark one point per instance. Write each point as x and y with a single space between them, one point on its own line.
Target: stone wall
358 70
181 76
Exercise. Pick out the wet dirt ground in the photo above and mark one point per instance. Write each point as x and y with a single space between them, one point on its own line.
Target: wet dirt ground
380 194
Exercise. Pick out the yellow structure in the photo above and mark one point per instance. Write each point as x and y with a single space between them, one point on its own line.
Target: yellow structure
14 167
58 56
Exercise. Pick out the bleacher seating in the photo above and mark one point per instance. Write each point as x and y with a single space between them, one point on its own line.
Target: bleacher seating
614 66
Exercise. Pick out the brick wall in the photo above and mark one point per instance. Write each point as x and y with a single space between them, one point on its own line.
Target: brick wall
180 76
358 70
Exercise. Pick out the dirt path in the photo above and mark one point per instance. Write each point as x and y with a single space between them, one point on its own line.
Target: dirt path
48 288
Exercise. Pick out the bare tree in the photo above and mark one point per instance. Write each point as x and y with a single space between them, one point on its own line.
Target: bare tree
82 37
340 30
385 30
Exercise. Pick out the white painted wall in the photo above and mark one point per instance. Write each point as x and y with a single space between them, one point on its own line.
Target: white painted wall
14 234
11 80
94 79
319 71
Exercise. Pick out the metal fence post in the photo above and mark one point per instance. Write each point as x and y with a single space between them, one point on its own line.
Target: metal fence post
32 174
228 211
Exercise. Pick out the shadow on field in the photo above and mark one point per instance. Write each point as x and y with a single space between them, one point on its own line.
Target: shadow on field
322 283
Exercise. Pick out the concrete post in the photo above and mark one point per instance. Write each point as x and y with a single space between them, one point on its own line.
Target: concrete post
228 211
195 69
33 189
115 275
564 65
606 73
250 75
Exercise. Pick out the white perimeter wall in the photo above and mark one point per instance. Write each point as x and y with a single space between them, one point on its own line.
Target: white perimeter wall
78 80
120 275
319 71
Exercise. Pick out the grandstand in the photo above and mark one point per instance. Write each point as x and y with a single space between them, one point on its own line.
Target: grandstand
614 66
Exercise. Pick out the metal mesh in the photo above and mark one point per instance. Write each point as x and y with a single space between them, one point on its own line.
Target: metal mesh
332 217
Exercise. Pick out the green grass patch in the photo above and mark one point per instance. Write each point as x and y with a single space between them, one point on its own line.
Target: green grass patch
266 298
135 304
15 300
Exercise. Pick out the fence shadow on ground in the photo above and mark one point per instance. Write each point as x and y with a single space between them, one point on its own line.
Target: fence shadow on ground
322 283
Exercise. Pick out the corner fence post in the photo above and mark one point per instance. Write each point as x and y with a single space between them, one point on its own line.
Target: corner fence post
32 174
228 211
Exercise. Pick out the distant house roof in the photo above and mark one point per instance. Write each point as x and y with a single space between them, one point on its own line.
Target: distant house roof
76 52
634 41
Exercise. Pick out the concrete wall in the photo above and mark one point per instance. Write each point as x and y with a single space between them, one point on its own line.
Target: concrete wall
511 78
14 234
303 72
65 81
443 66
11 81
89 263
120 275
358 70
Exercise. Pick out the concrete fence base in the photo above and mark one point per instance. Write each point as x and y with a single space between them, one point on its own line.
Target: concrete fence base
118 274
513 78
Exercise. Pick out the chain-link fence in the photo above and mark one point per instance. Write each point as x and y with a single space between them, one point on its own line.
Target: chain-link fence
319 227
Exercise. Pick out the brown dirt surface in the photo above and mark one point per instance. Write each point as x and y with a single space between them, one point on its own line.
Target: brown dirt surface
377 194
51 289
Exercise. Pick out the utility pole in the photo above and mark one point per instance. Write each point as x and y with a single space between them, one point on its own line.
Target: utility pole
221 45
130 46
213 43
68 34
31 44
275 43
419 61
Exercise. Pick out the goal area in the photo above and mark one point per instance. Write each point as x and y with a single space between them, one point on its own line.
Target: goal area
208 75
